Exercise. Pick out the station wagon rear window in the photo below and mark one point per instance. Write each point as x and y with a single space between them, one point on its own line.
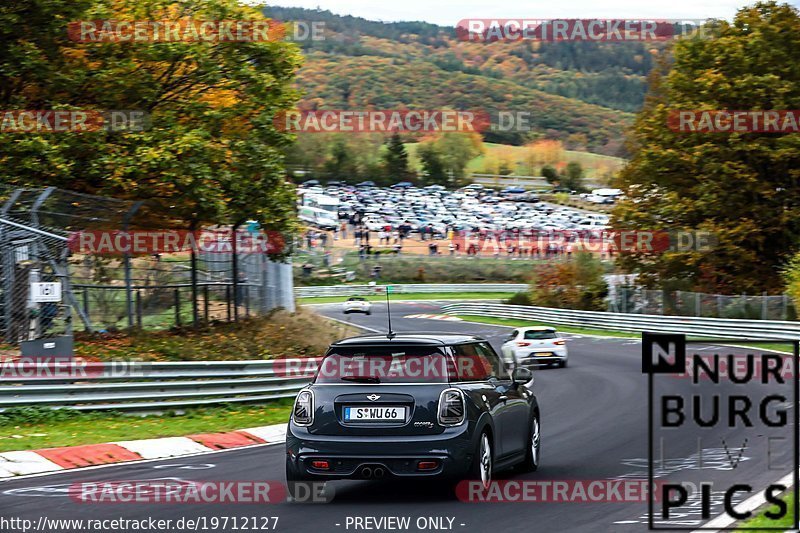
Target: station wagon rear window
540 335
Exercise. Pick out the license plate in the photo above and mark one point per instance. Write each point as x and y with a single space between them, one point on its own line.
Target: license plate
374 414
544 354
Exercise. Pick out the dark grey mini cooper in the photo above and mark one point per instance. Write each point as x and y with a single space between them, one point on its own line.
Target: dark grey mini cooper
412 405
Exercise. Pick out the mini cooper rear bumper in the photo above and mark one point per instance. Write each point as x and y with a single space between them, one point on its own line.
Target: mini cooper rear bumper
327 457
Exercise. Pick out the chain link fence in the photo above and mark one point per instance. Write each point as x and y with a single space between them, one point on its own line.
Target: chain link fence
685 303
112 291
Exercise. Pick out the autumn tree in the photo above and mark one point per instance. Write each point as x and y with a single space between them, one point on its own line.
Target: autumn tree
212 152
743 188
575 284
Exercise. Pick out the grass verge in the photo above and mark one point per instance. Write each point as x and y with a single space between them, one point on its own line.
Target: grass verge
30 428
762 521
300 334
377 298
512 322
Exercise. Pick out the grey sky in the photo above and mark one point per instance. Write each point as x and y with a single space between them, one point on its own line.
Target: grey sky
449 12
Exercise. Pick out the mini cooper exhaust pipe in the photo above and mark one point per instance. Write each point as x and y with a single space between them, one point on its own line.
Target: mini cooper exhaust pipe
378 473
366 472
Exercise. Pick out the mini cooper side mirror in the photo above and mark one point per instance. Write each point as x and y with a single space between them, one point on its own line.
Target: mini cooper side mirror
522 375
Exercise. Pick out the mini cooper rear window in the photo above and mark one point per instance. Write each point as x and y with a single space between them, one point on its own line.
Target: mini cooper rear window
385 365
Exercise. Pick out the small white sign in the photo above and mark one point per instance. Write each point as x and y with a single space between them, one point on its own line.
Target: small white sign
46 292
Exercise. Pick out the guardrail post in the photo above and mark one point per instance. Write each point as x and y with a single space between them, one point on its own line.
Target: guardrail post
228 300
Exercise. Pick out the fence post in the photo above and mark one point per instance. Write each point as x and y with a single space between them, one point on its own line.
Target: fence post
235 269
205 306
764 309
698 306
719 306
785 309
86 305
178 307
195 295
127 265
139 309
228 300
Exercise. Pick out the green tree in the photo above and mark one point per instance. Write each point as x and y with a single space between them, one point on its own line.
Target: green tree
743 188
550 174
432 166
573 177
395 160
341 164
457 150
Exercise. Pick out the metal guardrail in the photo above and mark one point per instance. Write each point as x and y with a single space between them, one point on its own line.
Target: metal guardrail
698 326
364 290
146 386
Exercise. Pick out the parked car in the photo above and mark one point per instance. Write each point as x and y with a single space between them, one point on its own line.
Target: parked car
378 408
357 304
536 345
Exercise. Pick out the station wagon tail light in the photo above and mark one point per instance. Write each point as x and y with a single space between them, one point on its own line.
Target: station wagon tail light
523 344
452 408
559 343
303 412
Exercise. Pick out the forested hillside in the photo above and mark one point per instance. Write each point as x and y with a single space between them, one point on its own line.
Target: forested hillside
579 93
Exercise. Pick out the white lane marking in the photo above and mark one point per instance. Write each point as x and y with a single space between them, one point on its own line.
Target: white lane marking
751 504
366 328
63 489
435 317
187 466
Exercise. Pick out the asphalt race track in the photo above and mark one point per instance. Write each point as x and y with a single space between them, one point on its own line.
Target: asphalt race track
594 427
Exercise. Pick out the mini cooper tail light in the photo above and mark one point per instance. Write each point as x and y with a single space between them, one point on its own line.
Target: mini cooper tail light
427 465
321 465
452 408
303 412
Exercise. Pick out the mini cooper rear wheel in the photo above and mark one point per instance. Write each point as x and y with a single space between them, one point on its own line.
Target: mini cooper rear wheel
481 469
534 454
